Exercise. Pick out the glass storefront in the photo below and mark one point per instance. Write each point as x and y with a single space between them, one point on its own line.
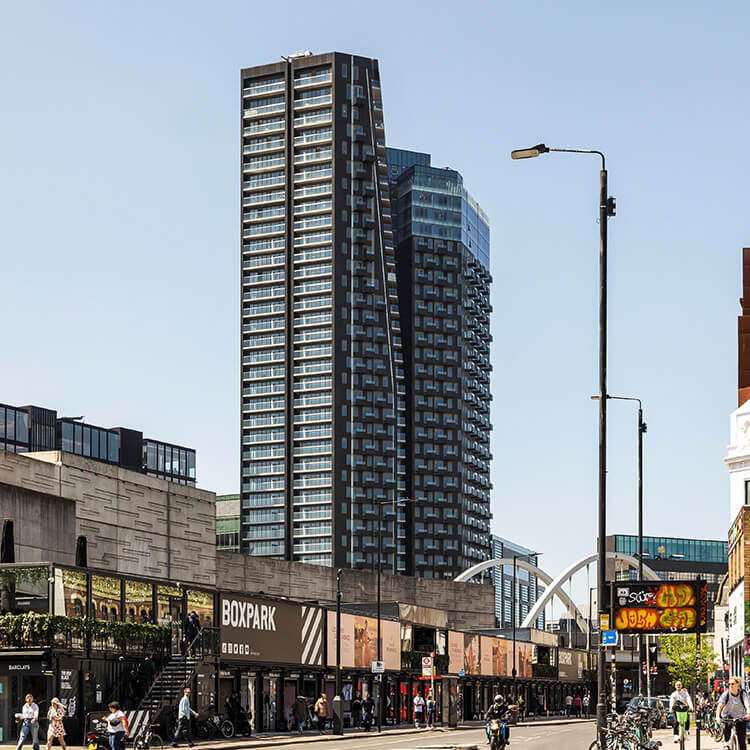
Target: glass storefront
70 592
106 597
139 602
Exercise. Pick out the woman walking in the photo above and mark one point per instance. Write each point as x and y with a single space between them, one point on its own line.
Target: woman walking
56 729
117 725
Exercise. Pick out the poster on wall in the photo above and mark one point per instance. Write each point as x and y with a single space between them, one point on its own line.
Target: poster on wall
258 630
359 641
492 657
455 651
570 664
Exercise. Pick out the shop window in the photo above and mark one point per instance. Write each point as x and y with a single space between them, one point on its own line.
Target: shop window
139 601
105 597
202 603
70 592
168 604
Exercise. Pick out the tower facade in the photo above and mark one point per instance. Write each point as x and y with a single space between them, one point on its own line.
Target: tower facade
323 393
442 258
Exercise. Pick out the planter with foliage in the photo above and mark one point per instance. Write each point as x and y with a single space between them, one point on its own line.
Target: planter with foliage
32 630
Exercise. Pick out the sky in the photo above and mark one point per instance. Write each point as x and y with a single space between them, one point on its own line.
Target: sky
119 226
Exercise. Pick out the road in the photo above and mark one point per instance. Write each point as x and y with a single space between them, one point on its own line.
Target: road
573 737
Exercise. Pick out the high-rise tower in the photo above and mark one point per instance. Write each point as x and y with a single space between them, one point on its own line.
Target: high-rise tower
442 256
323 408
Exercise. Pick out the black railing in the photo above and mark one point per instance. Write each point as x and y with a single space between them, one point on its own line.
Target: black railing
35 631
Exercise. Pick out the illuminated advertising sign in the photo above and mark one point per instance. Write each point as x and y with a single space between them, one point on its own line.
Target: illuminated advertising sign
656 607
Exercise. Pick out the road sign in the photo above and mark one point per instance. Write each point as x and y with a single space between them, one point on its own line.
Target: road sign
426 666
609 638
604 622
461 672
378 667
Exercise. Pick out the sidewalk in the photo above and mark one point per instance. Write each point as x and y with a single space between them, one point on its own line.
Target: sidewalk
707 742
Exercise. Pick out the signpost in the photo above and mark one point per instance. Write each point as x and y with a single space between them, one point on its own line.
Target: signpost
429 671
378 667
609 637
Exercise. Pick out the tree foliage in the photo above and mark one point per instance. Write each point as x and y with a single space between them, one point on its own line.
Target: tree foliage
680 650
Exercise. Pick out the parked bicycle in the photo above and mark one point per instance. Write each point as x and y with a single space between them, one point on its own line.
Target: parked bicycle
147 738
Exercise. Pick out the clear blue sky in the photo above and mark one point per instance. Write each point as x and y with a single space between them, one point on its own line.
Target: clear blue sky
119 224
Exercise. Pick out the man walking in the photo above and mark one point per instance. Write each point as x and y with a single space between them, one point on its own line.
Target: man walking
368 708
419 705
192 628
568 705
184 716
30 723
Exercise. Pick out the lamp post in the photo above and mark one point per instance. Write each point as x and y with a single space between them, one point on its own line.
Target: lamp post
339 723
642 428
606 209
513 616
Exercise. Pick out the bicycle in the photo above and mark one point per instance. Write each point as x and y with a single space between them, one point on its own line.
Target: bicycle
681 717
733 743
147 739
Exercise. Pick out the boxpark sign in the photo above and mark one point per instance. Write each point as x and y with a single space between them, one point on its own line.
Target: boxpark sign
272 632
659 608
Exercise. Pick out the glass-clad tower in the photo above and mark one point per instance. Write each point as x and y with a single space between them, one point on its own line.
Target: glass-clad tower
442 259
323 407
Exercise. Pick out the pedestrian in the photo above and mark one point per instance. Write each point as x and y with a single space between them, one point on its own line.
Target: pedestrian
299 711
117 725
192 628
585 704
578 704
568 705
419 705
321 711
55 716
184 716
29 722
146 673
368 709
430 705
357 710
521 703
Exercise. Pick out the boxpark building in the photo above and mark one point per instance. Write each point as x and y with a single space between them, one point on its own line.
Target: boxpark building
79 617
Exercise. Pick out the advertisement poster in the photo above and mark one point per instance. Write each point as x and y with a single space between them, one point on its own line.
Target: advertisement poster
455 651
359 644
492 657
570 664
660 607
258 630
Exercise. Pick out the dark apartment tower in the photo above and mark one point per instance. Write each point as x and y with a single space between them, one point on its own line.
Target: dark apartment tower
323 407
442 260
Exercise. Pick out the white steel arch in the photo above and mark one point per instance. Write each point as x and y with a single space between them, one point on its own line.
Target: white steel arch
533 569
554 587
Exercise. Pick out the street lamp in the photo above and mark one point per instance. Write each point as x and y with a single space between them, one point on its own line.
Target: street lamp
513 614
642 429
606 209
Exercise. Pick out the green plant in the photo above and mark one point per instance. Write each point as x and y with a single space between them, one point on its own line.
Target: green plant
680 650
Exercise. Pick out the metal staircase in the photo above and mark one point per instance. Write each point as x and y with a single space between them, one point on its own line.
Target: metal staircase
166 690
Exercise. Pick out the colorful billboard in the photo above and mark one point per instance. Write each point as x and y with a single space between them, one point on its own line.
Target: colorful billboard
359 641
483 655
257 630
656 607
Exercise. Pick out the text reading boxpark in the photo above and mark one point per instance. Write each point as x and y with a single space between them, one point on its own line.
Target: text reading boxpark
260 630
656 607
